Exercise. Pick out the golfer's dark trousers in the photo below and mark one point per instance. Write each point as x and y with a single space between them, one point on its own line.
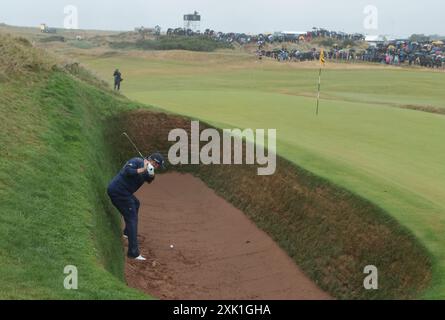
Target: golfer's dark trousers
117 85
128 206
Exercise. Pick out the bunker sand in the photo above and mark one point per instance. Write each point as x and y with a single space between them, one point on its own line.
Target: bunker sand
218 252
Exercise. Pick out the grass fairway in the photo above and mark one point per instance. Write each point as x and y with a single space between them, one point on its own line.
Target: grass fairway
392 156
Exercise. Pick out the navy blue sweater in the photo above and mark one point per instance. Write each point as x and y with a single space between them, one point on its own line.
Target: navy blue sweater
128 181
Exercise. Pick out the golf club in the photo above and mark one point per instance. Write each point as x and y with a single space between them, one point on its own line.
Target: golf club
134 145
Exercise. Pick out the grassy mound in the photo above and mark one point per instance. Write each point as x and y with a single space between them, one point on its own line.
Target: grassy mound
18 58
195 43
54 169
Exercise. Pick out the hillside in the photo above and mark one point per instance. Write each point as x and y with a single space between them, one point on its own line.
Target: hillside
53 169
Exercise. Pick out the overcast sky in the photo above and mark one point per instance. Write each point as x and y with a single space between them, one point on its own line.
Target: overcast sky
395 17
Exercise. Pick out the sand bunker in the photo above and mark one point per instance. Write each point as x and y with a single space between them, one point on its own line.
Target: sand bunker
217 254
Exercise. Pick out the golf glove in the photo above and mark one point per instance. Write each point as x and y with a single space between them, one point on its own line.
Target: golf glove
151 170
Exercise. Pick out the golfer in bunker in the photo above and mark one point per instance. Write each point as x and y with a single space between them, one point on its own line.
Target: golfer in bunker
133 175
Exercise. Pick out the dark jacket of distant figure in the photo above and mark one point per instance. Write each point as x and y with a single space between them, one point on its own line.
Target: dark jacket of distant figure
117 76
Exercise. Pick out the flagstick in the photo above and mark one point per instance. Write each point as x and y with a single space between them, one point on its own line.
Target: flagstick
319 86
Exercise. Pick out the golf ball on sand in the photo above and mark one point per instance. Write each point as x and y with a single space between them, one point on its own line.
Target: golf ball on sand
172 246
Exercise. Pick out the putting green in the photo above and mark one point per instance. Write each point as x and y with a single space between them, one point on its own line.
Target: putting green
394 157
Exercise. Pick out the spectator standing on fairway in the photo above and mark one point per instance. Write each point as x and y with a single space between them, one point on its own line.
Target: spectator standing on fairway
121 191
117 79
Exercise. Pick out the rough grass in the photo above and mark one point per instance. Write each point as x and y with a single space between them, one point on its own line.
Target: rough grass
82 44
17 57
54 170
53 39
330 233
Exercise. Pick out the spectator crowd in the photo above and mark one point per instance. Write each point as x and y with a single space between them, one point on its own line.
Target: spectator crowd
429 54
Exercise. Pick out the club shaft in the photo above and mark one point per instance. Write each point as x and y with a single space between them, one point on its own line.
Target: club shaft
134 145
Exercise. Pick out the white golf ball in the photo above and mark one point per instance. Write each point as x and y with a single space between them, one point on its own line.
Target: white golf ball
172 246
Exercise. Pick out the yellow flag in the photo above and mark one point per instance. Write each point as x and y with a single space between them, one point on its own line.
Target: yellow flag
322 58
